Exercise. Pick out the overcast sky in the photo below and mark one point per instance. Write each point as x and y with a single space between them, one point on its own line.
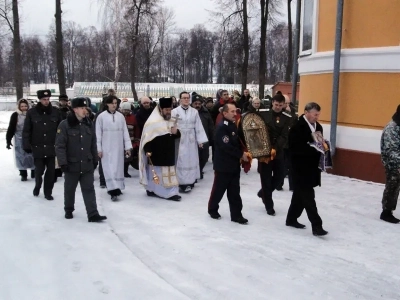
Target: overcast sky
38 15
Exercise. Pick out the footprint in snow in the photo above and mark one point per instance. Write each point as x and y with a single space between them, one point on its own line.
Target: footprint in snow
101 287
76 266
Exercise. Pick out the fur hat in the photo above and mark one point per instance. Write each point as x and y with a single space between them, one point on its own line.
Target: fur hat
63 97
197 97
126 105
165 102
43 94
78 102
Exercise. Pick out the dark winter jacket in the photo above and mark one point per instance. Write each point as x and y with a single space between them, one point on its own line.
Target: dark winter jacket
12 127
64 111
244 100
40 129
208 124
142 115
278 129
228 149
304 158
76 144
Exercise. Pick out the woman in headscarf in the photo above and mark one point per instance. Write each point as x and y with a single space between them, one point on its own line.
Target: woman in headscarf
23 160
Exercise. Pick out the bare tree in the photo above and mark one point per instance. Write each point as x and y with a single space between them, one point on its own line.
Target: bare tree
13 24
60 49
238 14
112 11
137 9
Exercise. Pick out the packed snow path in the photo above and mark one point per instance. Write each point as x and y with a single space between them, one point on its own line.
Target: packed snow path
156 249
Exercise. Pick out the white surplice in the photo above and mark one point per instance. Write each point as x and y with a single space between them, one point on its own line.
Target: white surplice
112 140
192 134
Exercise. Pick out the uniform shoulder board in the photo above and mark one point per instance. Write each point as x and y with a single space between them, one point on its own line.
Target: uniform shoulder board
225 122
286 114
264 109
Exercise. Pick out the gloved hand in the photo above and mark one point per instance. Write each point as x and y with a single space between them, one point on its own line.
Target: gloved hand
95 164
28 151
9 145
64 168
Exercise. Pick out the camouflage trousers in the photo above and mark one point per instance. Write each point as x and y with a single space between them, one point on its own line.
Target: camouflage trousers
392 188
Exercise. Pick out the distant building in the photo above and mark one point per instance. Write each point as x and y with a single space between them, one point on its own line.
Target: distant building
369 79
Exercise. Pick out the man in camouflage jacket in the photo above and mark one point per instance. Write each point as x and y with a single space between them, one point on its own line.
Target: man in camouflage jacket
390 154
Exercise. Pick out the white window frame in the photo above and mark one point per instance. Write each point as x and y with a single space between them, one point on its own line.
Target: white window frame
314 39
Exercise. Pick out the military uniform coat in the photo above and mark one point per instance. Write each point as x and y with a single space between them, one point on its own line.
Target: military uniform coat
40 129
76 144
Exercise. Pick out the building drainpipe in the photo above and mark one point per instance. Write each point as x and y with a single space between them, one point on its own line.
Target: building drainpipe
336 75
295 74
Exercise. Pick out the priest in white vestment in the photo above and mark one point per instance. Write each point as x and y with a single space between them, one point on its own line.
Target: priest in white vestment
157 153
113 143
193 136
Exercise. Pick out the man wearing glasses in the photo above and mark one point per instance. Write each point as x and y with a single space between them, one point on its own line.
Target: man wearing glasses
192 138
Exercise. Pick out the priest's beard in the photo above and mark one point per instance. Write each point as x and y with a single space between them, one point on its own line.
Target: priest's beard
167 117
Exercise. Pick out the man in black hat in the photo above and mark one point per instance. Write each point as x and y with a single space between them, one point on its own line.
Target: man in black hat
63 106
39 136
77 155
157 153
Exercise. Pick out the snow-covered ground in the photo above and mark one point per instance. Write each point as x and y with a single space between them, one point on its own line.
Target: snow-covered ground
157 249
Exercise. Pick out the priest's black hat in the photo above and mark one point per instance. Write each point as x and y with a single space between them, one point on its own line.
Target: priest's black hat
78 102
165 102
43 94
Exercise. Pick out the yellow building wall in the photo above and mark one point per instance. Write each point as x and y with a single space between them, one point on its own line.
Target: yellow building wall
366 24
366 100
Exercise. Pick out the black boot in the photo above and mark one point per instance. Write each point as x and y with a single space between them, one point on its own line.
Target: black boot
97 218
49 197
387 216
240 220
69 215
295 224
270 211
24 175
175 198
215 215
319 231
36 191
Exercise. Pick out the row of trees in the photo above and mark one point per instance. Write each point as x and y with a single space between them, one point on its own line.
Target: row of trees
145 46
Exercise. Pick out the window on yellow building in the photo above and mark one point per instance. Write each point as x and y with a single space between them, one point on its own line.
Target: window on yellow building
307 26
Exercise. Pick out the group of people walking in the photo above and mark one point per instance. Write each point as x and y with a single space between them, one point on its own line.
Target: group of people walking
169 142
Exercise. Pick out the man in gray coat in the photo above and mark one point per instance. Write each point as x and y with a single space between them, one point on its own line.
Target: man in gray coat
76 152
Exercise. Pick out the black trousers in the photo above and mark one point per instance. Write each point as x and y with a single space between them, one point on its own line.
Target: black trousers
229 182
101 173
42 164
271 175
88 193
204 153
304 198
287 169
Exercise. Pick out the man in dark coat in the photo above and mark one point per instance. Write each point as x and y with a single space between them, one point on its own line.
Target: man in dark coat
272 170
77 155
39 136
63 106
208 124
228 153
305 170
144 112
